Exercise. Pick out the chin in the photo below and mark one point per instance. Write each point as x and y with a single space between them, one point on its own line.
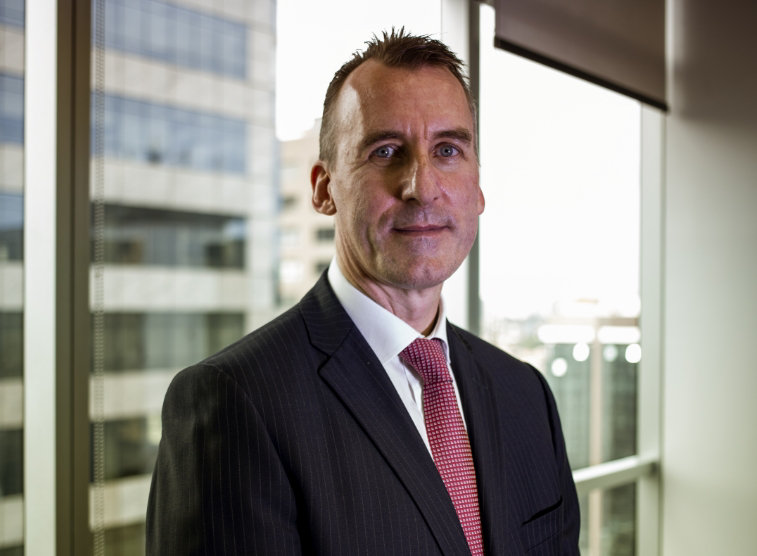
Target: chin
420 277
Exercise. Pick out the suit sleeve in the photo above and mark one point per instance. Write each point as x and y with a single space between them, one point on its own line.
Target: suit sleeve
219 486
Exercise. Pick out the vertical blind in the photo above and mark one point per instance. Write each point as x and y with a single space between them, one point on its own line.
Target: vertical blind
617 44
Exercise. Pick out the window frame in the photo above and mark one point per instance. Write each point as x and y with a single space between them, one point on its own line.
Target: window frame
56 276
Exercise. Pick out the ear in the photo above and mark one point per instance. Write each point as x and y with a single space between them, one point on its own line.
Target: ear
320 179
481 201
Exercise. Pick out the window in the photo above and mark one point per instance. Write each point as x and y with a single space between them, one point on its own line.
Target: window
324 234
11 109
12 13
188 251
177 35
182 213
161 134
148 236
289 201
166 341
11 277
559 256
11 463
11 344
11 226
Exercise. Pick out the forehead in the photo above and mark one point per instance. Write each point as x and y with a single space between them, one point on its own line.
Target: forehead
376 96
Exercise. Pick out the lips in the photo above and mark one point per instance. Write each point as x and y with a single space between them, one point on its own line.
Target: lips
420 228
421 222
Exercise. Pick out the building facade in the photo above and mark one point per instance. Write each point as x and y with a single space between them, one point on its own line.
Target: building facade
306 236
184 188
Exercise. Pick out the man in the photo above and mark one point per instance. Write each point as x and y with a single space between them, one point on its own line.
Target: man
338 428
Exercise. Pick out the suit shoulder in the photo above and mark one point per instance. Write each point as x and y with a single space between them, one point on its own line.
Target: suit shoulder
259 359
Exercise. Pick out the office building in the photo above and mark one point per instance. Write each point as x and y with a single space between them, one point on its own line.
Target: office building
184 204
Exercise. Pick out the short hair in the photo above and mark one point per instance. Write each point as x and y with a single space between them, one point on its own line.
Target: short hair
397 50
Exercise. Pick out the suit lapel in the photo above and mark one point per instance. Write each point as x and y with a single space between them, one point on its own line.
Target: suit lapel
357 377
484 432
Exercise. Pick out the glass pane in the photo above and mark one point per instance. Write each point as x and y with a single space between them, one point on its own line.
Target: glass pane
177 190
559 244
202 227
619 521
608 522
11 275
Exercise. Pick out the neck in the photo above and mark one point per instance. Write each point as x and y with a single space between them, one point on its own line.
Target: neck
417 307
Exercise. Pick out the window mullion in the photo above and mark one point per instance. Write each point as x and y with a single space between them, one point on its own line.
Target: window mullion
56 331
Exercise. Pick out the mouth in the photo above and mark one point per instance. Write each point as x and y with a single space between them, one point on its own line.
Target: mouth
420 229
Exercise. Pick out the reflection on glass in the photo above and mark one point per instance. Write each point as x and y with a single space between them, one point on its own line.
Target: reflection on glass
184 205
11 276
560 258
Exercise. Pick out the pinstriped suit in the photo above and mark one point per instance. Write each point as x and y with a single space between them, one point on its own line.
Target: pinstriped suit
294 441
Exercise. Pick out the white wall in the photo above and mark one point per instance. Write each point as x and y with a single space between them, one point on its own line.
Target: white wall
710 385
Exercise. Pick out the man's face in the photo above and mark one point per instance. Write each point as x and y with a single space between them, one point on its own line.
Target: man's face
404 183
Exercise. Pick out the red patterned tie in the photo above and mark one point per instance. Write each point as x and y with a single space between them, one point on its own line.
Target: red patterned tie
447 436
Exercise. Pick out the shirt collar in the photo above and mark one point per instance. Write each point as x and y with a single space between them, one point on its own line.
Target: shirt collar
386 334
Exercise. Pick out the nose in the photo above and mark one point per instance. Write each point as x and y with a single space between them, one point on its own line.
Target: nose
420 182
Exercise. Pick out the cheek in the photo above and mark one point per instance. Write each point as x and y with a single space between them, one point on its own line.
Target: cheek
368 203
470 197
355 212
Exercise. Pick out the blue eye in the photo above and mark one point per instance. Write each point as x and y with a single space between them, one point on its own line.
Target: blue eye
446 151
385 151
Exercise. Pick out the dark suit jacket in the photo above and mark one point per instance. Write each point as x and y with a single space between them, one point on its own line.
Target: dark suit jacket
293 440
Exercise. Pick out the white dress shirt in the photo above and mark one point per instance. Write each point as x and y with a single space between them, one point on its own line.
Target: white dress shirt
388 335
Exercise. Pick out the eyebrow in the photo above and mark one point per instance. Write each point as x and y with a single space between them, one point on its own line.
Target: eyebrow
377 136
460 134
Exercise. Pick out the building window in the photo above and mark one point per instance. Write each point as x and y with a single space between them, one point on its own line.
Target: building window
177 35
12 12
166 341
172 136
130 449
11 462
11 344
324 234
11 109
146 236
11 226
290 201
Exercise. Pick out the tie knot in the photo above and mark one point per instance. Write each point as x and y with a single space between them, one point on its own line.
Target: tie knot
428 359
